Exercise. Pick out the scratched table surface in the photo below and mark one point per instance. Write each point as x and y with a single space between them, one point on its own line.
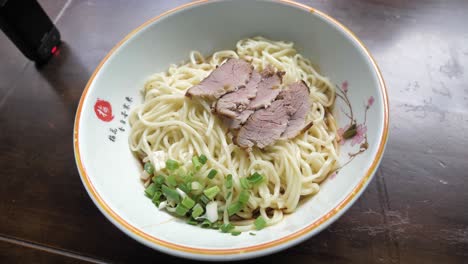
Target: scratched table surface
415 210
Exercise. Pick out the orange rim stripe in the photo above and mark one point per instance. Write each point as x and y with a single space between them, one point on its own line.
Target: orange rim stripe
98 199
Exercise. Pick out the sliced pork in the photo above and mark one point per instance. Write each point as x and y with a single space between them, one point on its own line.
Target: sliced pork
253 105
230 76
300 106
232 104
258 93
267 89
284 118
264 127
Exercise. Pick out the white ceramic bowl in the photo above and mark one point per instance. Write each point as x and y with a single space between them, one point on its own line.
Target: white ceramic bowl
110 172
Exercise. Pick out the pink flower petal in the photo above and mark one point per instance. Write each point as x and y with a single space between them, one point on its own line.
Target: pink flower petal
360 135
370 102
344 86
341 132
361 130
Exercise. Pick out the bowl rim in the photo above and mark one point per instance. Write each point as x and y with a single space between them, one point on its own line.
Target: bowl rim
241 252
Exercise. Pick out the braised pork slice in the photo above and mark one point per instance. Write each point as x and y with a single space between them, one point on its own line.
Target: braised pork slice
300 105
259 92
268 89
284 118
264 127
233 104
230 76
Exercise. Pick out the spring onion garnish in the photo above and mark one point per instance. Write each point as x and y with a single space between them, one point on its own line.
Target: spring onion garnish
259 223
212 211
192 221
212 174
171 193
159 180
204 200
255 178
196 163
197 211
181 193
150 190
244 197
350 132
234 208
149 168
229 181
181 210
185 187
226 228
156 197
162 205
245 184
216 225
196 186
172 165
203 159
252 234
188 202
211 192
171 180
206 224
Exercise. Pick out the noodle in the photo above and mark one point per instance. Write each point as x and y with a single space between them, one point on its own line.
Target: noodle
181 127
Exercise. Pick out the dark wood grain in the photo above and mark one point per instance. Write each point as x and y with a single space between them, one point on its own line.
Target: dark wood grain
17 251
414 211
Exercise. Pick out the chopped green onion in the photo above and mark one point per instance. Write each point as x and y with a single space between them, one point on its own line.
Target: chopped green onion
259 223
212 174
235 233
195 186
226 228
186 187
197 211
150 190
188 177
212 211
229 181
172 165
181 210
187 202
234 208
244 196
252 234
228 195
171 180
206 224
255 178
350 132
211 192
216 225
181 174
192 221
196 163
244 183
204 200
149 168
203 159
156 197
171 193
159 180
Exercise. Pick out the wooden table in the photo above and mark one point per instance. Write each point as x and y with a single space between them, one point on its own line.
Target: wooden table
414 211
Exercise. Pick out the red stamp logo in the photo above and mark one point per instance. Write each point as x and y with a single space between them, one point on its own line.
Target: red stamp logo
103 110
